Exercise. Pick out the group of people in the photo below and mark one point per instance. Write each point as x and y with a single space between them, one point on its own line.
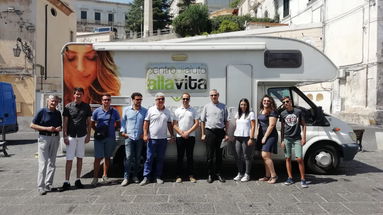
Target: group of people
140 126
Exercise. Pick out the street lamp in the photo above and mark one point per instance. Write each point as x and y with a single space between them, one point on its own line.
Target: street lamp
142 19
25 48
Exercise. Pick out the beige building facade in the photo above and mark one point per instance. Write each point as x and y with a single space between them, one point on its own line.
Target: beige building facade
37 30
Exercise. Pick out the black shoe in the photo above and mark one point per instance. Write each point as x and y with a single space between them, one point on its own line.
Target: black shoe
78 184
66 186
210 179
221 179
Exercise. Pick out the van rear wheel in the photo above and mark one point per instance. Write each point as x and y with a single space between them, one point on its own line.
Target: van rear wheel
323 159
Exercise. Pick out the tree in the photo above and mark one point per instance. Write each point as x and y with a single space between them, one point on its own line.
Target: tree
240 20
228 26
234 3
134 18
184 4
193 21
161 17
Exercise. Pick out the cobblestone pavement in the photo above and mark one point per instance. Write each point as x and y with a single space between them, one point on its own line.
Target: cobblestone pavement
356 188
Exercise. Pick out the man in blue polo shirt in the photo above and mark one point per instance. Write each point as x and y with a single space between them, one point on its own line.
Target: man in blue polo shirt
132 129
103 147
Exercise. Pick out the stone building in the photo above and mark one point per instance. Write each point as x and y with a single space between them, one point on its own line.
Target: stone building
350 33
101 16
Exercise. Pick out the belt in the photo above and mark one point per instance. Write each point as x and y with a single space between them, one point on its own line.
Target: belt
49 133
215 129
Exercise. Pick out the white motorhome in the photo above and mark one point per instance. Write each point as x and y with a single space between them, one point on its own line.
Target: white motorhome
238 67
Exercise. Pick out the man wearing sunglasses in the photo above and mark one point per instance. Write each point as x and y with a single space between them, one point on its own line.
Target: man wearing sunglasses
132 129
185 123
157 120
215 119
109 118
292 135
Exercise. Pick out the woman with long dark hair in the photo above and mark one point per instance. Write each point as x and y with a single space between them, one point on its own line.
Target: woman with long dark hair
268 136
244 137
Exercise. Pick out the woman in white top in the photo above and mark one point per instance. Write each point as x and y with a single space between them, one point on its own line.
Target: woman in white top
244 136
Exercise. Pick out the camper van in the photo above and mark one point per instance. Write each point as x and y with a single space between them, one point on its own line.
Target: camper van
237 66
8 116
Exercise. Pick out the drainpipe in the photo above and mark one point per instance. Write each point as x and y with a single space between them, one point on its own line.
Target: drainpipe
46 42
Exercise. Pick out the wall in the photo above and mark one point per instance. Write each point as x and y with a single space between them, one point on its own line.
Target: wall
59 30
352 38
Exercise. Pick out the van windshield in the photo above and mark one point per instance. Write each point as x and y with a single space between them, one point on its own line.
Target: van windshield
299 101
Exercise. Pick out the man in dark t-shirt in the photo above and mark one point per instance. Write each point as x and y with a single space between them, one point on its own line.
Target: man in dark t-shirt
292 120
76 131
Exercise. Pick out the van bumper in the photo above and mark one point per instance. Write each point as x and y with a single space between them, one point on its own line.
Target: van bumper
349 151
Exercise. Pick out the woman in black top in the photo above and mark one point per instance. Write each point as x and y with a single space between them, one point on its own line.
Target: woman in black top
268 136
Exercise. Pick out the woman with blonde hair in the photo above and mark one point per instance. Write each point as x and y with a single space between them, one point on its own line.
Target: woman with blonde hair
268 136
94 71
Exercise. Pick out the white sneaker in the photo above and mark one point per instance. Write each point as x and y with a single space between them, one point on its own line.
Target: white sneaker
124 182
144 181
105 179
238 177
160 181
245 178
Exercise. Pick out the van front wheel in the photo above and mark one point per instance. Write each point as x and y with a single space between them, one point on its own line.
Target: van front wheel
322 159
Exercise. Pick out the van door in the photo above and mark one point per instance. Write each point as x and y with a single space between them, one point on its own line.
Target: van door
238 85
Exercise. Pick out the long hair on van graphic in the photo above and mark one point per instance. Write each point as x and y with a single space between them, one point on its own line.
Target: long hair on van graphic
94 71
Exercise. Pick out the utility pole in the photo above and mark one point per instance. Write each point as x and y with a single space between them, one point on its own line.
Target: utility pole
148 18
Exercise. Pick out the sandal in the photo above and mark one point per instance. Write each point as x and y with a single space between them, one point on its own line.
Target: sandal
273 180
266 178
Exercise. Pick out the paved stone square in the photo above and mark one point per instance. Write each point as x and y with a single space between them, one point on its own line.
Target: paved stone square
356 188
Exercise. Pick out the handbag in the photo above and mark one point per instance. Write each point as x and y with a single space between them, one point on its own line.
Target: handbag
103 131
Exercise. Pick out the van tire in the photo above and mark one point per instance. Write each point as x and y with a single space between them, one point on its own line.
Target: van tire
329 156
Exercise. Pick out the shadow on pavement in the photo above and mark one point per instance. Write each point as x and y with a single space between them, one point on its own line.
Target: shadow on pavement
229 171
20 142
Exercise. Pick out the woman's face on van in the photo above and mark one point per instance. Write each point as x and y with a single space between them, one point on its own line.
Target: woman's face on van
80 65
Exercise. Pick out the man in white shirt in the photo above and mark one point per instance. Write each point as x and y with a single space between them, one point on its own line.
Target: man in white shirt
185 123
156 121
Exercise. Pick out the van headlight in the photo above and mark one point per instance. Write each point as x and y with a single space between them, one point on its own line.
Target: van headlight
353 136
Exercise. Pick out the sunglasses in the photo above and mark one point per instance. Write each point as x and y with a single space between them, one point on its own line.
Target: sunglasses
186 99
213 95
138 99
106 99
160 99
285 102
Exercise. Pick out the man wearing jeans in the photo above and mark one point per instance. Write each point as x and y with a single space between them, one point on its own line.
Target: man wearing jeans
132 129
214 125
291 123
157 120
185 124
76 131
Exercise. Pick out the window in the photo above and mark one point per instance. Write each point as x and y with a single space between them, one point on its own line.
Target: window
111 17
84 15
283 58
286 8
97 17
